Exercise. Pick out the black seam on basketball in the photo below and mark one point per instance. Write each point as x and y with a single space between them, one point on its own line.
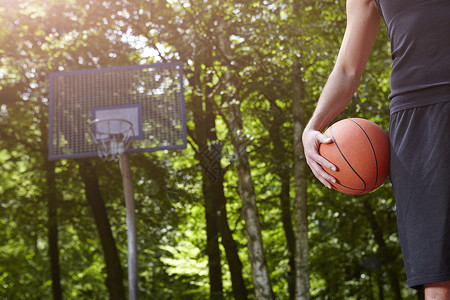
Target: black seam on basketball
373 150
353 189
348 163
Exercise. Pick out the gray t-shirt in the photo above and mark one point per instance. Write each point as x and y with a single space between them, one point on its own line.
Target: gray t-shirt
420 45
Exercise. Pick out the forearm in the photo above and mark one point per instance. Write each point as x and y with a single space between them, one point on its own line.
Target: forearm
336 95
363 21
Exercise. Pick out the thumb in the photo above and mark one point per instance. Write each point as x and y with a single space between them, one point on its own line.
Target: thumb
325 139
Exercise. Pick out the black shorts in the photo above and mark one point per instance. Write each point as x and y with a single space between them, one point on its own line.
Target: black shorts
420 175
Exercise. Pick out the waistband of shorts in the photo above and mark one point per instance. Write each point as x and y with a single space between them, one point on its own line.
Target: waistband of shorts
428 96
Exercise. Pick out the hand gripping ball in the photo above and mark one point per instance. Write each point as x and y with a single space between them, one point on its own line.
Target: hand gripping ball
360 151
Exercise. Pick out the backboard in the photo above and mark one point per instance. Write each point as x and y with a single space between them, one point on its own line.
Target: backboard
150 97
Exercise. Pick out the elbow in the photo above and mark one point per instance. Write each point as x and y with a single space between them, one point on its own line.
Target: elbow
350 77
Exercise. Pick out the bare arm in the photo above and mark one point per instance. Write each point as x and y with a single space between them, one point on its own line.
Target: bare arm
363 21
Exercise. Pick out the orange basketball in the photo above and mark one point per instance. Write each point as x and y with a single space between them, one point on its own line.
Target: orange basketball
360 151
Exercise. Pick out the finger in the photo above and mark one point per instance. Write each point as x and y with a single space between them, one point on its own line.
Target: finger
322 161
321 175
324 181
325 177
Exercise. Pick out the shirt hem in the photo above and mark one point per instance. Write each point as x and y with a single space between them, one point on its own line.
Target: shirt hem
435 95
420 281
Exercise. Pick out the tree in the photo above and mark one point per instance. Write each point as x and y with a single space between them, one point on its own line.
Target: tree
209 154
300 198
114 279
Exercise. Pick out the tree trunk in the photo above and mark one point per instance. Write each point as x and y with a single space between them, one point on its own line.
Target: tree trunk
52 226
260 274
286 218
208 160
52 210
300 199
384 251
215 200
231 249
212 247
114 278
209 156
282 171
380 286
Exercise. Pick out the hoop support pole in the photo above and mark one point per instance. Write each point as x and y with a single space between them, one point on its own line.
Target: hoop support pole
131 227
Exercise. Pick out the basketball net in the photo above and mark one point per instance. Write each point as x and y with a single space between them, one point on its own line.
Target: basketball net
111 137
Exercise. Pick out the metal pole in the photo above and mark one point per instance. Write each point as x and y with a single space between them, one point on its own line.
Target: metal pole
131 227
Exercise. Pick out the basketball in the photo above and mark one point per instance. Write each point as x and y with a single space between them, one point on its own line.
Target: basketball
360 152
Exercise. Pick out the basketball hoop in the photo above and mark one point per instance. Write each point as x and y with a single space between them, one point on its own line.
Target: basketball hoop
111 136
112 108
